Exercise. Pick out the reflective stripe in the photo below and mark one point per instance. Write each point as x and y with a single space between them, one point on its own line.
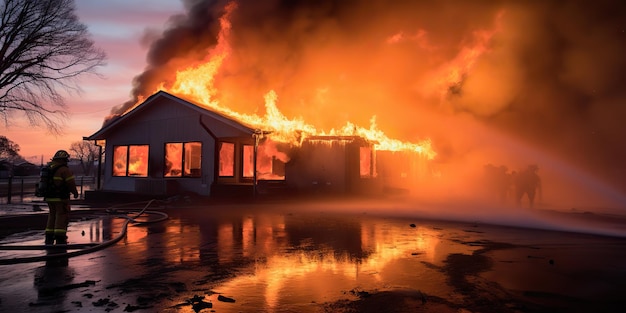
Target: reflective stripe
53 199
49 230
69 178
60 231
58 178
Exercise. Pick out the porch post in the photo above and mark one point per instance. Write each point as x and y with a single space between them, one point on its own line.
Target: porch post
256 135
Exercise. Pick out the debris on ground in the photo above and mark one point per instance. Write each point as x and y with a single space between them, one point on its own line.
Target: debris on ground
225 299
133 308
197 303
106 302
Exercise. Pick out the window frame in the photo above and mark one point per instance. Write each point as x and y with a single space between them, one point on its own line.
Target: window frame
127 160
185 161
371 164
183 151
233 157
244 162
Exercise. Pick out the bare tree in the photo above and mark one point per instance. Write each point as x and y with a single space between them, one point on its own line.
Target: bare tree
8 149
43 48
87 153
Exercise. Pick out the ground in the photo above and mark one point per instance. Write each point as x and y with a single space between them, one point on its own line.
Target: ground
315 257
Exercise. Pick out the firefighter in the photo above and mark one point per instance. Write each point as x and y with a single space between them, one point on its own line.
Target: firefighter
528 183
59 203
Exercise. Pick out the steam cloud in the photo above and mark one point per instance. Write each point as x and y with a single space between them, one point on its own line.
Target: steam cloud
549 74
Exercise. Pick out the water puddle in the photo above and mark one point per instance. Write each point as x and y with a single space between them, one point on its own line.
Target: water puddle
238 259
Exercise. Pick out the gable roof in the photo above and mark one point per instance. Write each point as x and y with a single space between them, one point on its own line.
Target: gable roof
101 134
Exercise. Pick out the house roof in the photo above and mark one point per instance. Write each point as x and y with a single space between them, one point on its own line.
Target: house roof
101 134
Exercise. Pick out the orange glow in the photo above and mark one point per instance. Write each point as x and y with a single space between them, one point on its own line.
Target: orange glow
365 162
248 161
452 75
277 271
193 159
138 160
183 159
270 162
130 160
173 159
119 160
196 82
177 253
227 159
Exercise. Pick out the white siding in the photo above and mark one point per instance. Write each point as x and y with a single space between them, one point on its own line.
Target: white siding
166 120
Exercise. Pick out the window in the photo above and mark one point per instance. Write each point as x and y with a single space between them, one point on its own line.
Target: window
120 157
248 161
270 164
183 159
131 160
192 159
227 159
366 162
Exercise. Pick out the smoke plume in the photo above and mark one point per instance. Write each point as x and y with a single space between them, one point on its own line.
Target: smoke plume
488 81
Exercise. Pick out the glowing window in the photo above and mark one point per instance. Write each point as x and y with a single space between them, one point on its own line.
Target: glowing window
248 161
227 159
173 160
192 159
120 157
270 163
130 160
183 159
365 162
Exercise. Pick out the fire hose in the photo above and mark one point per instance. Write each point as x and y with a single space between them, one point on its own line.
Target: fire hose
84 248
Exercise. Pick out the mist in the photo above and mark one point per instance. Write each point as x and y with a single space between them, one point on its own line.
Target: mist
507 83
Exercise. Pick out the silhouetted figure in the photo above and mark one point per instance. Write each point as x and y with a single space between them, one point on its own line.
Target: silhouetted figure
58 198
527 182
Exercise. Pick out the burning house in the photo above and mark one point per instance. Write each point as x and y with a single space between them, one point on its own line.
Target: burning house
167 145
202 144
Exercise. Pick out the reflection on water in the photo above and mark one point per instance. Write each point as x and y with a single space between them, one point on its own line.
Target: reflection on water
276 262
268 260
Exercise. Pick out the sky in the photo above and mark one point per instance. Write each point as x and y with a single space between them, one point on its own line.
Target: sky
506 82
118 27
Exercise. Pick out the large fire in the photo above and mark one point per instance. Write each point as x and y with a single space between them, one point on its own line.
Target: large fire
196 83
224 76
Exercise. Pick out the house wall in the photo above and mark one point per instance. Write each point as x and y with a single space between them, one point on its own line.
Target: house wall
402 171
165 121
318 167
330 166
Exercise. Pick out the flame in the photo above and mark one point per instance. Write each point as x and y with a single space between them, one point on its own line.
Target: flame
173 159
196 83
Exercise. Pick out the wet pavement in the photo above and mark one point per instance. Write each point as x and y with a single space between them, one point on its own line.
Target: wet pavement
315 258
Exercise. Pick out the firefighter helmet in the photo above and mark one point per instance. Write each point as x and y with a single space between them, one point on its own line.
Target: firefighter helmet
61 154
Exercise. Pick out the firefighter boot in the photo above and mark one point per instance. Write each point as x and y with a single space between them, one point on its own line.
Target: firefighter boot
49 239
61 239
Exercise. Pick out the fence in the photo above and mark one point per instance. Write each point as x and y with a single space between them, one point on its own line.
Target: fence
19 189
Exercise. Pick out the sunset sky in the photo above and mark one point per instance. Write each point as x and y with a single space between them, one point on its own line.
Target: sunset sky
118 27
